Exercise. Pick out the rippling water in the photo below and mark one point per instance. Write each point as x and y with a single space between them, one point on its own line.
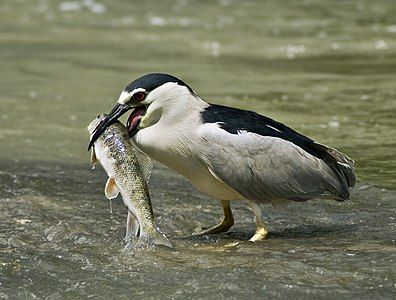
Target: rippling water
326 68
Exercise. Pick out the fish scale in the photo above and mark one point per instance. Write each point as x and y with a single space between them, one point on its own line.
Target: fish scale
115 152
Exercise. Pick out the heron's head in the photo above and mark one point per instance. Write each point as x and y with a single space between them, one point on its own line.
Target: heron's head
150 95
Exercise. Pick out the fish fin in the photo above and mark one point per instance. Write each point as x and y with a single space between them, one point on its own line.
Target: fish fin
145 163
111 189
94 159
132 226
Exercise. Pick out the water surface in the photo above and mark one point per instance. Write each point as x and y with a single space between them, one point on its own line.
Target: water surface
326 68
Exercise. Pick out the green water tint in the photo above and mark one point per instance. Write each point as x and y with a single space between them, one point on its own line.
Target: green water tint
325 68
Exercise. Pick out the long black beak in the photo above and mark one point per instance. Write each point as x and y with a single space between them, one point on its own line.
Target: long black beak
113 116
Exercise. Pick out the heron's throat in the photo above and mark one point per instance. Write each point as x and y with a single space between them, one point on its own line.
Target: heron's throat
134 120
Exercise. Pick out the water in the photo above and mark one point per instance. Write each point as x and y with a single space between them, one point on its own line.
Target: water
325 68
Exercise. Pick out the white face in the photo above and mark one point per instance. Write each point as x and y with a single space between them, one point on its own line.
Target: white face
126 96
167 100
163 93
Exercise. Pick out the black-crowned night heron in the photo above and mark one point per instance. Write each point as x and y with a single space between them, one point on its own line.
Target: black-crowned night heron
228 153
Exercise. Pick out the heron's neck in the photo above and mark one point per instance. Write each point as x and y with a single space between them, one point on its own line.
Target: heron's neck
170 135
183 108
174 108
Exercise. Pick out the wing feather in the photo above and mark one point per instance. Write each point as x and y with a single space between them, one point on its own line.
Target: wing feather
264 168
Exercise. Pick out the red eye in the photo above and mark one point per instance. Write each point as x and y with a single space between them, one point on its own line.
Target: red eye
139 96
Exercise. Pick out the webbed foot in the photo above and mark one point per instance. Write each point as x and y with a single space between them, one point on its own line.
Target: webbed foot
225 224
261 234
261 230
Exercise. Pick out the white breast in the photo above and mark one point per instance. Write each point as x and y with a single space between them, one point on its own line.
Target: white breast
176 146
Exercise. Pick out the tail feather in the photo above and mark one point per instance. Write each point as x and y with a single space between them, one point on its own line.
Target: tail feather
342 166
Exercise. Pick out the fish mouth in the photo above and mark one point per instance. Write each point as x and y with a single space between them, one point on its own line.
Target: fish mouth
134 120
95 123
109 119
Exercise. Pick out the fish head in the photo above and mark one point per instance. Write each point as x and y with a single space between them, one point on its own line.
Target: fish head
91 129
95 123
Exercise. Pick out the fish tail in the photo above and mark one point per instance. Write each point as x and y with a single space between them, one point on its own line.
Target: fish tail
157 238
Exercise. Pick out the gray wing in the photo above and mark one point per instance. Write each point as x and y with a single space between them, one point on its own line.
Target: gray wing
264 168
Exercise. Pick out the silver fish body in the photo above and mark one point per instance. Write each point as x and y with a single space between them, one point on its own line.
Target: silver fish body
115 152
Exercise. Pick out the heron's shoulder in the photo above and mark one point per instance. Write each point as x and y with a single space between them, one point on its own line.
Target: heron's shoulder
236 121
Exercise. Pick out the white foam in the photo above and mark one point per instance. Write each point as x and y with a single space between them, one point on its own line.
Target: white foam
91 5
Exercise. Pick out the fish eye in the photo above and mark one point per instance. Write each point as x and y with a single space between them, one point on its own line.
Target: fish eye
139 96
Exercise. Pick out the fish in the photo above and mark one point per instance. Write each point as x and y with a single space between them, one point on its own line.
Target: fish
129 170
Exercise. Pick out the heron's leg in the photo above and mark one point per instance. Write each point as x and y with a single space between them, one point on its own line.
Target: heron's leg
261 229
132 226
225 224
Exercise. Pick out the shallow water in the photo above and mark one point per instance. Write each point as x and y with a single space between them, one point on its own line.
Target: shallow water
325 68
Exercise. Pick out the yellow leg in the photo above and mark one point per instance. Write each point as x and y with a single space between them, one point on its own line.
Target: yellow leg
261 230
225 224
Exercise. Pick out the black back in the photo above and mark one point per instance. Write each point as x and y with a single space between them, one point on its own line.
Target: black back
233 120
